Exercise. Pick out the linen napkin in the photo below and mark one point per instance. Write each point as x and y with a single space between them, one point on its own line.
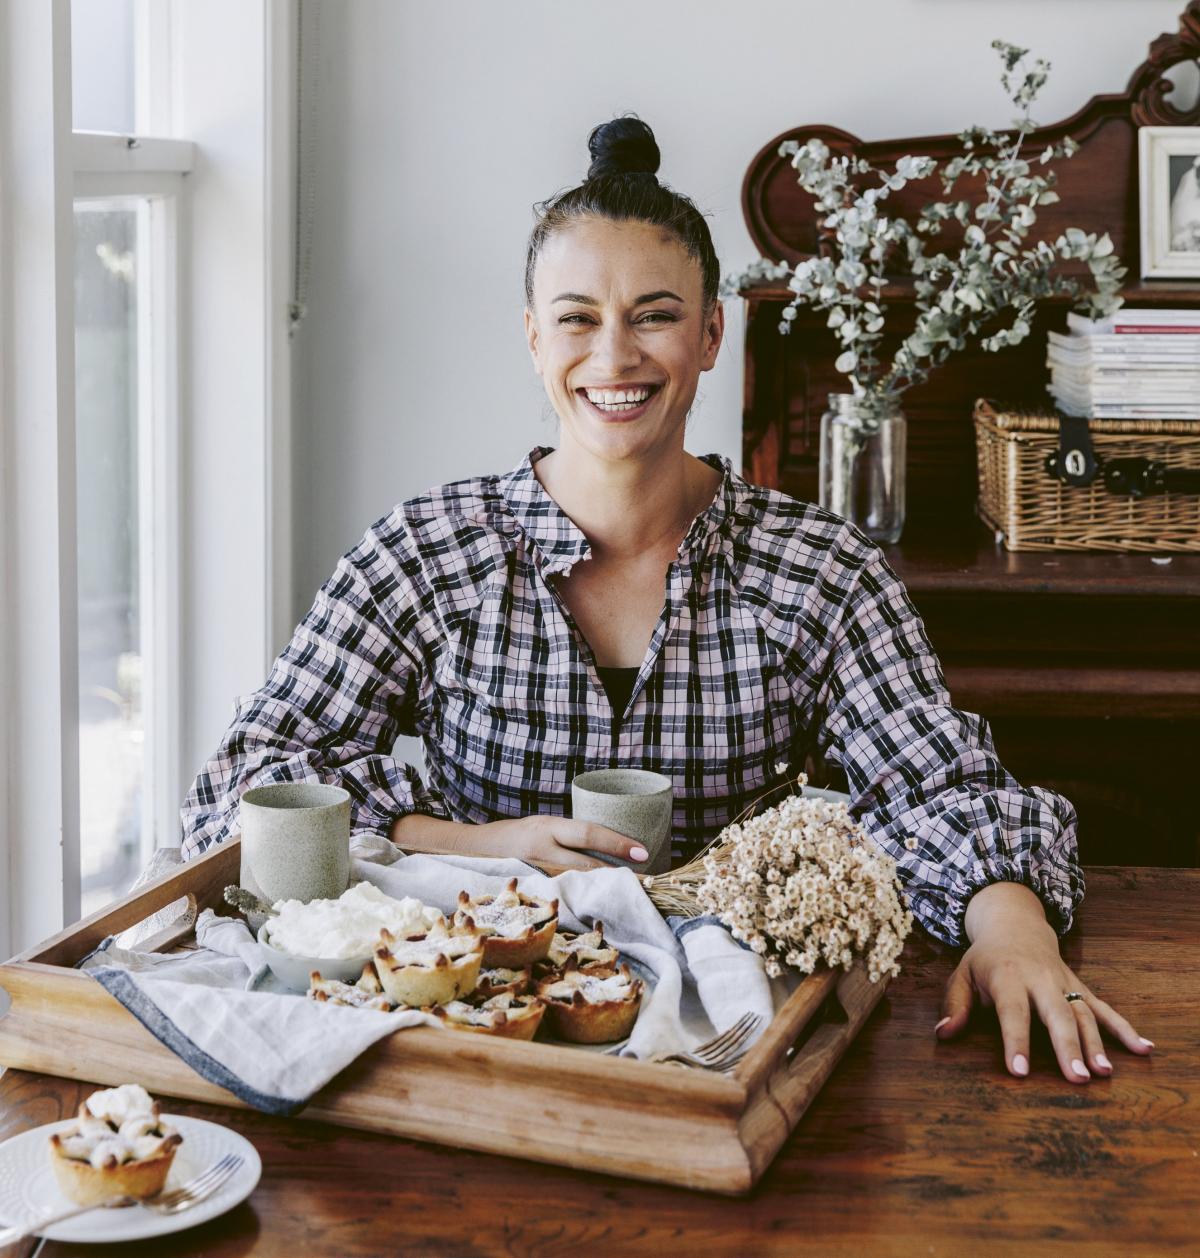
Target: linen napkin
220 1010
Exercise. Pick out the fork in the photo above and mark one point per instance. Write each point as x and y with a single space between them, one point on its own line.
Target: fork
176 1201
723 1051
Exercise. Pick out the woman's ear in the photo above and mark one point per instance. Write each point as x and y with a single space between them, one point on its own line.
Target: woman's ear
714 330
531 335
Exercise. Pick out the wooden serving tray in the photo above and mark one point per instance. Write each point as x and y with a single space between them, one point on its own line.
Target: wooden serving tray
650 1121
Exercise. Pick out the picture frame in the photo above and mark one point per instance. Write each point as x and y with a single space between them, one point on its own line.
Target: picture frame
1169 202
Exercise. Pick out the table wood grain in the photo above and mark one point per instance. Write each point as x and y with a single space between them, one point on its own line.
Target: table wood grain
913 1147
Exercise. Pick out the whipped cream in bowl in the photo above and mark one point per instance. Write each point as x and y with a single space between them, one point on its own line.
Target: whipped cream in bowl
337 937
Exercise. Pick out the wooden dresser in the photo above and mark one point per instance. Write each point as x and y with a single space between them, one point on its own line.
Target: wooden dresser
1087 666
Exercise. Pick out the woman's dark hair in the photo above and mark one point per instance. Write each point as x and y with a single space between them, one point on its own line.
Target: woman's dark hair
621 184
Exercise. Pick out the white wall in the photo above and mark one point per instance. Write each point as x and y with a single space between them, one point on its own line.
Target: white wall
442 121
220 103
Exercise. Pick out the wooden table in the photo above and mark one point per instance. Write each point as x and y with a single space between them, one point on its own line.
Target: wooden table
914 1147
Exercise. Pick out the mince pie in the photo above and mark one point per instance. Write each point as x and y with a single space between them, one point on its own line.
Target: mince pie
499 980
513 1017
596 1005
587 949
367 993
429 969
517 928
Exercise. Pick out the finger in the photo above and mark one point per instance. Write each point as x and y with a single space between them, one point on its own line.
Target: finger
1089 1038
569 858
597 838
1056 1015
1117 1026
956 1004
1012 1010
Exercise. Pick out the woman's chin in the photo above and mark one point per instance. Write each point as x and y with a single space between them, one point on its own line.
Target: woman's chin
623 442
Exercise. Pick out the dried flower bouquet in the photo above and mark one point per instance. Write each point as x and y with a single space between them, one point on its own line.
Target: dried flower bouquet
802 884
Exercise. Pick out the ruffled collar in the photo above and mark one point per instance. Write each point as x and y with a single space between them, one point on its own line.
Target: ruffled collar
560 543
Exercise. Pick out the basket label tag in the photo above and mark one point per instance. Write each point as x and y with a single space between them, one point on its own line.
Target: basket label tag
1074 462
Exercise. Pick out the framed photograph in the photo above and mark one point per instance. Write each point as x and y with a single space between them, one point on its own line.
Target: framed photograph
1169 170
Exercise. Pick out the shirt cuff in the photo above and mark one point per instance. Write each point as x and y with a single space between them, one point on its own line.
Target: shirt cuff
942 913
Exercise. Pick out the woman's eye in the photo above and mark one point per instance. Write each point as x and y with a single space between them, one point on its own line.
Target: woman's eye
653 315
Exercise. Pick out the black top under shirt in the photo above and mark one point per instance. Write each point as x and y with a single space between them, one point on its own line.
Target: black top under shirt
618 682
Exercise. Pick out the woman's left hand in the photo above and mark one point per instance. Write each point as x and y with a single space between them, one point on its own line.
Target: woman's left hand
1013 964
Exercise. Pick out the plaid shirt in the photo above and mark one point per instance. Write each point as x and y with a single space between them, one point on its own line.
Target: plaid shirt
784 633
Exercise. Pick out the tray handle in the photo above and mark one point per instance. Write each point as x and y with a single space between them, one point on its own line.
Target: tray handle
788 1026
822 1041
180 927
203 878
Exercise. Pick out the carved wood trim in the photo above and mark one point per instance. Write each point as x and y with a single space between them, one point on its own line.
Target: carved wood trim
1149 85
783 224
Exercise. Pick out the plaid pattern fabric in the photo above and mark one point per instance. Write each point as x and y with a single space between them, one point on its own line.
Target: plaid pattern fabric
784 631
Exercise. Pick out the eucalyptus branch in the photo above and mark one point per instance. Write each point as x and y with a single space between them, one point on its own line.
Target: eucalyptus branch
959 297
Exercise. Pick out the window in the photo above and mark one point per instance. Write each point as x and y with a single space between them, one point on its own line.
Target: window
127 190
103 70
113 782
144 401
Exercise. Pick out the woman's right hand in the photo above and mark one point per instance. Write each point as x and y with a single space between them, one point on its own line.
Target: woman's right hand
545 840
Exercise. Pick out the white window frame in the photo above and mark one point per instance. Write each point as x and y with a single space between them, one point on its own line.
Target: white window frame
232 192
39 703
111 169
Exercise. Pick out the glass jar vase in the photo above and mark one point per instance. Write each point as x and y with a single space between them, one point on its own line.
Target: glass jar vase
863 463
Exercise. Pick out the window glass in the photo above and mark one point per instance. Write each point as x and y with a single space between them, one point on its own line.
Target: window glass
102 65
111 728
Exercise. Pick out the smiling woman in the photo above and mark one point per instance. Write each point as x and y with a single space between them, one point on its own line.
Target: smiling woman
621 354
497 618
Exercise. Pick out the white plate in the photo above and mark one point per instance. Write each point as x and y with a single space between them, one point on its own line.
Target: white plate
29 1191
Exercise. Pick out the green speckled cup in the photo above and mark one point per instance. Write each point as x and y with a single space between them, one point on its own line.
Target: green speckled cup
295 842
634 802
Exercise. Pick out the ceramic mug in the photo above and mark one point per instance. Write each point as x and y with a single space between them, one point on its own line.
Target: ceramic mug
295 841
634 802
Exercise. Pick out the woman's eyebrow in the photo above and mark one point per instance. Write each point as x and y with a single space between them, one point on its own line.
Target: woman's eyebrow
581 300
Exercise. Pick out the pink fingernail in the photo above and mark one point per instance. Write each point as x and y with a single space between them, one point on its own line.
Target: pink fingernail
1148 1043
1101 1060
1020 1065
941 1024
1080 1069
639 854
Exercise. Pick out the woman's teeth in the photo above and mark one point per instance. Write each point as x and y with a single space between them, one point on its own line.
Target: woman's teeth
615 403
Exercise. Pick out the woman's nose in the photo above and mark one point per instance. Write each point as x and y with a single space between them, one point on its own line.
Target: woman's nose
615 348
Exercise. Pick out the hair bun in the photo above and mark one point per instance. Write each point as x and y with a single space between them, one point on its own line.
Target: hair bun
624 146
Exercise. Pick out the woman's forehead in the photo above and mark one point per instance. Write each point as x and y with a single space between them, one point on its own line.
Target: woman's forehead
616 257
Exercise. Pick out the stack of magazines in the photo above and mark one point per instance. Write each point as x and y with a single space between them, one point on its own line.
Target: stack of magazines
1135 364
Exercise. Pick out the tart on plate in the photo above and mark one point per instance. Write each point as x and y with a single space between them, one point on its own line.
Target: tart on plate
513 1017
120 1147
596 1005
517 928
429 969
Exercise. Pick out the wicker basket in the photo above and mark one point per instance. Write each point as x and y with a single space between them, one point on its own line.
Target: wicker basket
1033 511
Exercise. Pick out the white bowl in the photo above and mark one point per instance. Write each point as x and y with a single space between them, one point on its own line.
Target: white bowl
294 972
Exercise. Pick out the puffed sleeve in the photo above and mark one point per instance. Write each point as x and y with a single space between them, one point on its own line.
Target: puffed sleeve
923 771
336 699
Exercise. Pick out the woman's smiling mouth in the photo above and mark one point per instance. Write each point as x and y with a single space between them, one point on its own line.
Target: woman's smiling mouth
620 404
